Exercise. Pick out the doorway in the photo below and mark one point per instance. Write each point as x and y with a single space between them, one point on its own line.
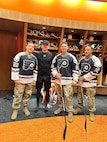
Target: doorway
8 49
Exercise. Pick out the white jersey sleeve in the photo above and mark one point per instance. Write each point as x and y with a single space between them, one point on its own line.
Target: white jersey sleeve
15 66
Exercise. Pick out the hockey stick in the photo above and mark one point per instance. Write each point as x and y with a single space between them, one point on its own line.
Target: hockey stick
63 102
84 110
64 107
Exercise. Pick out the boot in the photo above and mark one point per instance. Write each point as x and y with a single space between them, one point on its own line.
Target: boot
14 114
77 110
59 110
70 117
92 116
46 108
37 107
26 111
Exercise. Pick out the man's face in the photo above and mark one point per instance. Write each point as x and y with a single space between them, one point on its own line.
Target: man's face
45 47
30 48
64 48
88 51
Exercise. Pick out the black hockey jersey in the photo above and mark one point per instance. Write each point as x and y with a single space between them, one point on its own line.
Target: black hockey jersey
68 67
89 69
24 66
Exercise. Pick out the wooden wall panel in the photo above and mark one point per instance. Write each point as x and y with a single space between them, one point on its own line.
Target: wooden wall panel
8 49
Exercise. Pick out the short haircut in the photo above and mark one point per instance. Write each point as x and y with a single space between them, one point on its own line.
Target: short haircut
88 45
30 42
64 43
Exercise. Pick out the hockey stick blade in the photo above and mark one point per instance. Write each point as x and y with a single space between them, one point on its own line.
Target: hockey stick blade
85 121
63 101
64 133
85 125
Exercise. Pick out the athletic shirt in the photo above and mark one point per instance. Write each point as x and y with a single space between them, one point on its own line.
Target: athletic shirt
89 69
24 68
44 63
67 66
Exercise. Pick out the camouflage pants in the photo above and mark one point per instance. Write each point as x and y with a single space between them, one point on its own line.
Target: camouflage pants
68 96
90 92
21 92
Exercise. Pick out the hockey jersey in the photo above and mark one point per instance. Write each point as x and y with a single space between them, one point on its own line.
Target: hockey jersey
89 69
24 68
67 66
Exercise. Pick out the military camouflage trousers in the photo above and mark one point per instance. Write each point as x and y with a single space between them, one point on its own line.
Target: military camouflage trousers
22 92
90 92
67 90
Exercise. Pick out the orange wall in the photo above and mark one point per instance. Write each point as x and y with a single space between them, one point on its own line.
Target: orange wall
81 10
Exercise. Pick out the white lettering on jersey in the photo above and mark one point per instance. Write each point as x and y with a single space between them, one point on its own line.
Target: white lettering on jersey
97 70
15 65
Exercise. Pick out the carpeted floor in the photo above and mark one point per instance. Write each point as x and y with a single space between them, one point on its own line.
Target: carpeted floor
51 130
6 98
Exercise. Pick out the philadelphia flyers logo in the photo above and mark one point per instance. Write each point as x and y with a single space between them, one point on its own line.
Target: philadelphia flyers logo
28 65
85 67
63 63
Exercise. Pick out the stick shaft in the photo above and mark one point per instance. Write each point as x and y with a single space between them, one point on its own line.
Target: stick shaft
64 107
84 110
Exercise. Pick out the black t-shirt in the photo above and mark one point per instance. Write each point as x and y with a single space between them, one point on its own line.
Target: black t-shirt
44 63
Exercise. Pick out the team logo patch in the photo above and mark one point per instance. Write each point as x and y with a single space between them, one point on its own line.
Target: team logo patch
63 63
28 65
85 67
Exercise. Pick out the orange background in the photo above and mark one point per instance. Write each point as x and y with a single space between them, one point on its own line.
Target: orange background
81 10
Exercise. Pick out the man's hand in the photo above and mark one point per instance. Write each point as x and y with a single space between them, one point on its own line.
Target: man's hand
58 76
34 83
74 83
81 79
17 81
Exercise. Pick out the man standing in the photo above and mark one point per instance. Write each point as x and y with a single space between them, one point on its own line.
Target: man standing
44 69
65 70
90 66
24 74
